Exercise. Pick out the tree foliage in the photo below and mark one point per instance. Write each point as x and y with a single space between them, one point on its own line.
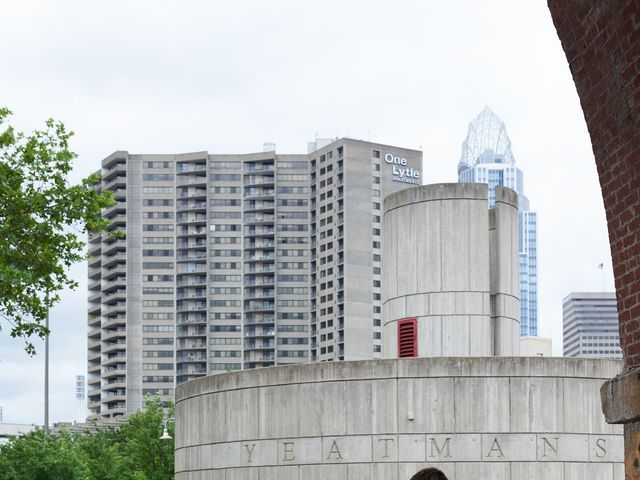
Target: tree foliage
132 452
41 214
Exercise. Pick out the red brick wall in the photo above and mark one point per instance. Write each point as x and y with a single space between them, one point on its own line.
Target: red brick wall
601 40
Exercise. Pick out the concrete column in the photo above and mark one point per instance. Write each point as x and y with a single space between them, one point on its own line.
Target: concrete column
505 288
436 269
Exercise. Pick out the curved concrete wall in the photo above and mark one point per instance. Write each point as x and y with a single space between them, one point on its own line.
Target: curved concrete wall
489 418
452 263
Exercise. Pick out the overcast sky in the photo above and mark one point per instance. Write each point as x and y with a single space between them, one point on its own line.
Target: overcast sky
227 76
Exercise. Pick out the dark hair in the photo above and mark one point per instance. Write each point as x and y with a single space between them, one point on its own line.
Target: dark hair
429 474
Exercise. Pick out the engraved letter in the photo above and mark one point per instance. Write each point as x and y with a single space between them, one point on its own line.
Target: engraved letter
288 455
495 447
334 450
601 445
249 451
386 446
445 448
554 448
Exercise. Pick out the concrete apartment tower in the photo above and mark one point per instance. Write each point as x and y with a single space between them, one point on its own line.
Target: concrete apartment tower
236 262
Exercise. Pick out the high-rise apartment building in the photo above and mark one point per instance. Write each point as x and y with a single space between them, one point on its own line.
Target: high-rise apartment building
590 325
236 261
487 158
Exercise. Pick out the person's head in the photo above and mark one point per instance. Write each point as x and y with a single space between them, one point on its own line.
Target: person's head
429 474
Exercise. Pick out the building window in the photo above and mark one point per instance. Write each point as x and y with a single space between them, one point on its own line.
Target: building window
407 338
376 154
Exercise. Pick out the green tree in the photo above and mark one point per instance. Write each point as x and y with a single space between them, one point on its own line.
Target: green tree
39 457
132 452
41 214
149 457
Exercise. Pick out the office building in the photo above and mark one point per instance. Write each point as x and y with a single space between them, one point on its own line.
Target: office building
487 158
535 346
236 261
590 325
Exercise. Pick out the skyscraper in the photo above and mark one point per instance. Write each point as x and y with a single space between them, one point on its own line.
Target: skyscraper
236 261
487 158
590 325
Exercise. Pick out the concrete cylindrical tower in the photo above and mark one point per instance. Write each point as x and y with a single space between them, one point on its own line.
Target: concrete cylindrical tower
450 263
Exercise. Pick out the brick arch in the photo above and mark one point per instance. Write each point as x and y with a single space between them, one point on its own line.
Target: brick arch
601 40
602 43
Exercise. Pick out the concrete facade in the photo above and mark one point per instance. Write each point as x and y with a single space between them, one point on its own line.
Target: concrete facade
490 418
452 263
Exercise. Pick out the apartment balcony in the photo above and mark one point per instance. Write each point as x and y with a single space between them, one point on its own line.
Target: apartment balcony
112 259
191 180
258 168
252 231
113 308
195 280
187 343
114 359
115 382
193 320
184 257
257 206
117 294
93 369
191 167
112 170
185 205
257 306
265 257
94 356
256 218
192 230
94 297
191 294
111 245
259 269
112 347
191 331
186 268
113 333
252 295
113 210
94 309
119 194
258 281
259 356
94 273
259 333
116 182
258 181
94 248
94 322
188 243
259 345
259 319
259 193
191 369
191 218
192 357
192 193
191 306
114 370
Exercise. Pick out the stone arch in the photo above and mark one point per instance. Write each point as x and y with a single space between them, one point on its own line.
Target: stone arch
429 474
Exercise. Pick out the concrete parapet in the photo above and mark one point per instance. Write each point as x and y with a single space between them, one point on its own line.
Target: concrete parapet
507 418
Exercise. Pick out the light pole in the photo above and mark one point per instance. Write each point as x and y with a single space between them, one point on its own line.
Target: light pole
165 432
46 377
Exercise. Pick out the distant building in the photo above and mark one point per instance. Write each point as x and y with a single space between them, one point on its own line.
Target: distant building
535 346
10 430
590 321
487 158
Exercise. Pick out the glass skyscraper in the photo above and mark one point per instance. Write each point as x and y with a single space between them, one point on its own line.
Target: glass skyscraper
487 158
